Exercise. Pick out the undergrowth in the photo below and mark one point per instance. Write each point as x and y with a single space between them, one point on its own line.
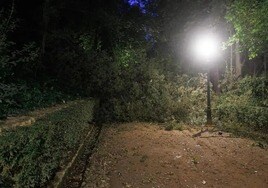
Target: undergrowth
244 104
31 156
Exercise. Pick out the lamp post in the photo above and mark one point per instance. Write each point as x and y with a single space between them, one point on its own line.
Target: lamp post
207 50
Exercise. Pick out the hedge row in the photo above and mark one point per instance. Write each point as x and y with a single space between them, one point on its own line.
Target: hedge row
31 156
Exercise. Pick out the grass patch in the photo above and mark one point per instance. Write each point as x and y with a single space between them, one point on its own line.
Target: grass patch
31 156
195 160
143 158
242 131
173 126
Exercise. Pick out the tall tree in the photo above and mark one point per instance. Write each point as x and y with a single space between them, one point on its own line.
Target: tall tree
250 21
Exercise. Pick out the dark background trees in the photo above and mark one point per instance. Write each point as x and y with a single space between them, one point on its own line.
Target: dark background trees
134 57
130 54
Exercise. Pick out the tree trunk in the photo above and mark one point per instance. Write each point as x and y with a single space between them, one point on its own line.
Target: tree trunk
238 63
10 15
231 61
45 20
265 64
219 25
214 79
45 25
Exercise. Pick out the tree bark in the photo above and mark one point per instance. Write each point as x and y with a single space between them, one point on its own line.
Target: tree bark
10 15
214 79
265 64
45 20
231 60
219 25
238 63
45 25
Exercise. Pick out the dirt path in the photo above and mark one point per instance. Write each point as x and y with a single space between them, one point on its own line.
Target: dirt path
31 117
143 155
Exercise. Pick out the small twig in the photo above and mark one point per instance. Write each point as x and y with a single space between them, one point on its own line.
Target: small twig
10 15
199 133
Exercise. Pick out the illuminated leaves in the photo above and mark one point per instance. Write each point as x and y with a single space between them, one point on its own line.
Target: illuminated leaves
250 22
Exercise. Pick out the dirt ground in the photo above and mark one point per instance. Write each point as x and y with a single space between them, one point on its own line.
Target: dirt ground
145 155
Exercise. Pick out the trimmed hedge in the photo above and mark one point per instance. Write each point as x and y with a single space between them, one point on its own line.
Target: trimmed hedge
31 156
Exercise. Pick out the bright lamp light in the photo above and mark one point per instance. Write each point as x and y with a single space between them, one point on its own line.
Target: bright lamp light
206 47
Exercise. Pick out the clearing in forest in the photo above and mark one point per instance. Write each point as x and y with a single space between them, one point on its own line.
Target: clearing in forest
145 155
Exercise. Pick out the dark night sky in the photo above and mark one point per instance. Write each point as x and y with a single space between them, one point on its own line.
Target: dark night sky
140 3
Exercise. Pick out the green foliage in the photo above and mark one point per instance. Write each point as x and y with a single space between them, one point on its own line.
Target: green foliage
7 94
87 43
173 125
26 60
18 66
128 55
6 61
30 156
20 98
249 18
136 87
193 92
245 104
139 91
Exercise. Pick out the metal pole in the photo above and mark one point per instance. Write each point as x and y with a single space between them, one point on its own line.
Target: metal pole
209 118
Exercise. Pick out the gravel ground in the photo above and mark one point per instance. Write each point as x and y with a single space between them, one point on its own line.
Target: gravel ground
145 155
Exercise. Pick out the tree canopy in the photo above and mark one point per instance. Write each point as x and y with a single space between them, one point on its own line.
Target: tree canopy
250 21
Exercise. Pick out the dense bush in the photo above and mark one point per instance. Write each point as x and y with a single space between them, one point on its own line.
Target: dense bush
30 156
18 66
157 99
20 98
245 103
131 82
193 91
136 87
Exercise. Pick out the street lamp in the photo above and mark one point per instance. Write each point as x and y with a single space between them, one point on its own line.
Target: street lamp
206 48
